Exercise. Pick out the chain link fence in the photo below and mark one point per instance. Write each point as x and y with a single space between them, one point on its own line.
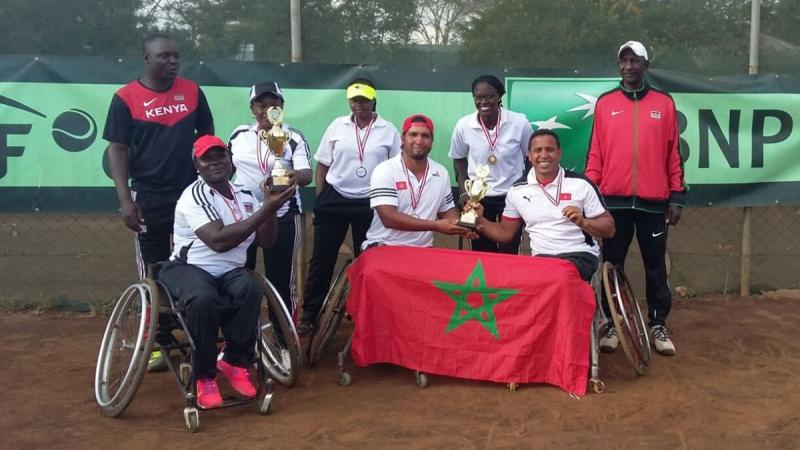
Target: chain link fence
87 259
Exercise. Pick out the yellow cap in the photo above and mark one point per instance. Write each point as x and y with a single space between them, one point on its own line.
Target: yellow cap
361 90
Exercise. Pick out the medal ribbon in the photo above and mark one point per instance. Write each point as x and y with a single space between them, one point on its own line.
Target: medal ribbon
557 200
362 145
263 157
415 198
233 205
492 142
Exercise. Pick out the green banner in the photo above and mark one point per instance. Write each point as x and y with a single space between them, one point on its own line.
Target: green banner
52 136
737 133
728 138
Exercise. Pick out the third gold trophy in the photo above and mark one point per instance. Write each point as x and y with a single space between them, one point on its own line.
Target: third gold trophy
475 189
276 139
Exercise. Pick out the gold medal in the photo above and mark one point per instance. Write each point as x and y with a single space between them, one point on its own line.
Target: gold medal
492 160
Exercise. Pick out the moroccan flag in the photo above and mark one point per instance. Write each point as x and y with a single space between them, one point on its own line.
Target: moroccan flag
474 315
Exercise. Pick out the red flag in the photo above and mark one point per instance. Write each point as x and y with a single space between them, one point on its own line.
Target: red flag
473 315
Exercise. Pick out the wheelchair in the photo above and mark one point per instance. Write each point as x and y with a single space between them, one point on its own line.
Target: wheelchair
129 338
608 279
330 315
627 317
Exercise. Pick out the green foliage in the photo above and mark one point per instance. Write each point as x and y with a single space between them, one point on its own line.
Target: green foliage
75 27
688 35
543 33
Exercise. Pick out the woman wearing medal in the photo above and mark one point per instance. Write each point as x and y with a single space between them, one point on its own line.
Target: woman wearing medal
497 138
349 151
254 162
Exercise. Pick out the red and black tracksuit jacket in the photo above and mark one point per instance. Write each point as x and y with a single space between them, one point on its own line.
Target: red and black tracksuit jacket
633 153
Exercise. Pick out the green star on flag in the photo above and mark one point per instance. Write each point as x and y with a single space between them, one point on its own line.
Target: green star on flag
484 314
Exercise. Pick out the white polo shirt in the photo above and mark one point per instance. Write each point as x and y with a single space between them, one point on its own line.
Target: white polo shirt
392 185
198 205
338 150
470 142
244 144
551 233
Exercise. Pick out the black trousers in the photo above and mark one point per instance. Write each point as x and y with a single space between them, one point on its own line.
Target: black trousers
585 262
279 267
651 235
231 302
333 214
154 243
492 210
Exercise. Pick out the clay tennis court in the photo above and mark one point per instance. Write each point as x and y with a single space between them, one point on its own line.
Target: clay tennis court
734 384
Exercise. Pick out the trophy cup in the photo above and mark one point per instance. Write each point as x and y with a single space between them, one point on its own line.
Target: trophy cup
276 140
475 190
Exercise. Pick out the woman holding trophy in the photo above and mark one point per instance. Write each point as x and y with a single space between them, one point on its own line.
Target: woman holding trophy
493 138
267 148
349 151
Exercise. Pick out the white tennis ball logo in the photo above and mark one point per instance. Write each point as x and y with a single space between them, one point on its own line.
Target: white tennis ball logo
74 130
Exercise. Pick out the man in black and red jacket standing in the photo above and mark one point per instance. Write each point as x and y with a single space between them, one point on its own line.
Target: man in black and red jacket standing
634 159
151 125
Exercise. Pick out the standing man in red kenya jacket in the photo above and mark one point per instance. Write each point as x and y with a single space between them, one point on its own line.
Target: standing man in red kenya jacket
634 159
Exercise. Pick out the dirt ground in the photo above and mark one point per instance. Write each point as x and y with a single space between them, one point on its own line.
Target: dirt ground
733 384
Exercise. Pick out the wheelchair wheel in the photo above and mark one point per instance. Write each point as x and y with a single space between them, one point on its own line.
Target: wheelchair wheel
627 317
333 311
126 346
278 346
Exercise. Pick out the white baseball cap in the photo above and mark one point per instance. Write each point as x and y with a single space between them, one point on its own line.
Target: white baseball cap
636 47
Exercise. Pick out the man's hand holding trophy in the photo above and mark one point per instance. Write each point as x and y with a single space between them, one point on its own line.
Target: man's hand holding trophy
276 139
475 190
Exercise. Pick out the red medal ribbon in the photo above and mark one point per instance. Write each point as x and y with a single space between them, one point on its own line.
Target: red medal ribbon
492 142
415 198
362 145
233 206
555 201
263 161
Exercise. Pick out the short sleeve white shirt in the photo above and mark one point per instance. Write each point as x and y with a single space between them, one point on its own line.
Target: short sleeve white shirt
338 150
470 141
198 205
392 185
254 161
550 232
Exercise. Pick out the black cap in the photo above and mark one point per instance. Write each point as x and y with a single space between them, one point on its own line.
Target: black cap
266 87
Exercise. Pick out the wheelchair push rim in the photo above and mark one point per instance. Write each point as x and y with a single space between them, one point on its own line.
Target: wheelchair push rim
331 315
126 346
278 343
627 318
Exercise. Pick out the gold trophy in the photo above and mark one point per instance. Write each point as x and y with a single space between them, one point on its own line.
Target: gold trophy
475 190
276 140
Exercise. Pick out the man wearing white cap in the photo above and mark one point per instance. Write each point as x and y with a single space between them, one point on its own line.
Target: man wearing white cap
634 160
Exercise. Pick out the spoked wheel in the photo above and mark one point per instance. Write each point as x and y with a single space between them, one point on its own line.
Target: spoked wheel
627 317
333 311
126 347
278 345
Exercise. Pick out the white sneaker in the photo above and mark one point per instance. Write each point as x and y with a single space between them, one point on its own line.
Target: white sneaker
609 340
659 334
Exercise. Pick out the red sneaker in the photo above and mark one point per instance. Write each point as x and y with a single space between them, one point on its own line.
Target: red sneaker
238 377
208 394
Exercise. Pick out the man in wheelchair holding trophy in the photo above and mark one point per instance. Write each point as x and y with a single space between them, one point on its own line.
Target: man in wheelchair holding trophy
562 211
215 223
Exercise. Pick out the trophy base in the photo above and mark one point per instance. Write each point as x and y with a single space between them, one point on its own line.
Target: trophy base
279 184
471 224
